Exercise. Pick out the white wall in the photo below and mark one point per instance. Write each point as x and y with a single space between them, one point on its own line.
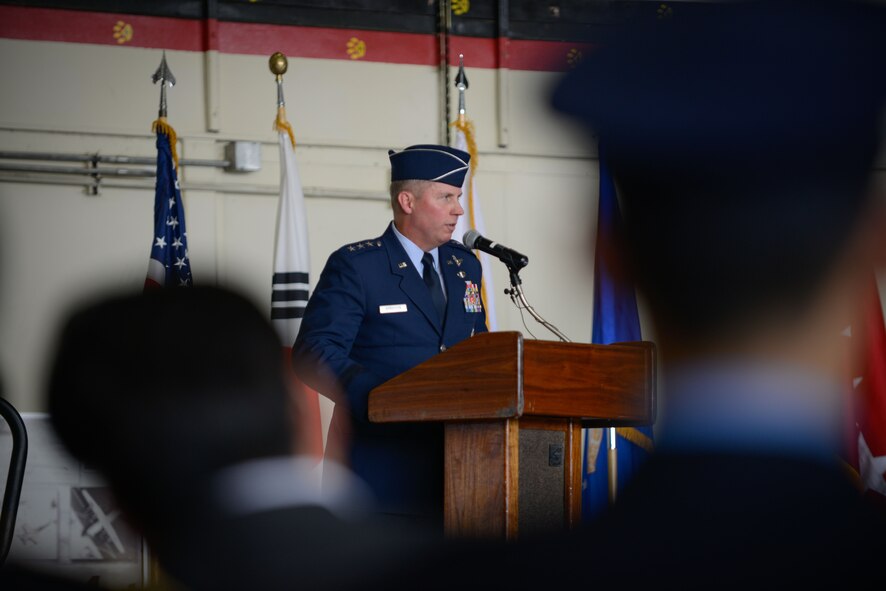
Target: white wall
58 243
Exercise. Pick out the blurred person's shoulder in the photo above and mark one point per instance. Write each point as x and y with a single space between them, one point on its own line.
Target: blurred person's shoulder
26 578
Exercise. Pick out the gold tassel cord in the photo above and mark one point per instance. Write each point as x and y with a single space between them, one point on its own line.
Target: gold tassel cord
161 125
466 126
636 437
281 124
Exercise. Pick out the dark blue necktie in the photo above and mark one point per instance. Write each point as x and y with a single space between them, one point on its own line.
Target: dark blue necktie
432 280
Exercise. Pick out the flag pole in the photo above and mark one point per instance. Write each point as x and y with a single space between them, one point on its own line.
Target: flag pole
278 65
612 461
290 280
164 76
461 83
466 127
152 574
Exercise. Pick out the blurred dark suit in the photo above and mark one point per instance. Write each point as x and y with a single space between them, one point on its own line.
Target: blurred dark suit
179 398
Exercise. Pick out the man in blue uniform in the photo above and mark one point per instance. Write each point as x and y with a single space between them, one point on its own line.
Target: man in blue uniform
386 304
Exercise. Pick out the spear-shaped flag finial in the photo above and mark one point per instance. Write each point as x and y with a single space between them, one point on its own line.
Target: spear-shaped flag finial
461 83
165 77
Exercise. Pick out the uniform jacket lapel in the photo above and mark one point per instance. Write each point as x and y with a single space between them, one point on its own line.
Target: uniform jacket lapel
455 286
410 281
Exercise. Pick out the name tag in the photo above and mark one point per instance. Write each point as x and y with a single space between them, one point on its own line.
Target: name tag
392 309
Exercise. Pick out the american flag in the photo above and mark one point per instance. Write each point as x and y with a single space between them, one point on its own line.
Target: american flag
870 402
170 263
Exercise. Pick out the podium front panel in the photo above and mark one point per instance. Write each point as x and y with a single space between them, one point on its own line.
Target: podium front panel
480 479
542 484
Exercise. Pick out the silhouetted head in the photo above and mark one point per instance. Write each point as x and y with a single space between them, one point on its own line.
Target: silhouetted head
741 136
160 390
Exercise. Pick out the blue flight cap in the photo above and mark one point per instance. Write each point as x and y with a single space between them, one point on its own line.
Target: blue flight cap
429 162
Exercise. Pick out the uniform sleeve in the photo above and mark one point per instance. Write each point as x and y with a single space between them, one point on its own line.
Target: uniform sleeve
321 353
480 322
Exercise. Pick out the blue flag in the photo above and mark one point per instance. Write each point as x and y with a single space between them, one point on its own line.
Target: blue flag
170 263
615 320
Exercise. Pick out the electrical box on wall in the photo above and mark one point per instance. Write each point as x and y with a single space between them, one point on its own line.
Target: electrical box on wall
243 156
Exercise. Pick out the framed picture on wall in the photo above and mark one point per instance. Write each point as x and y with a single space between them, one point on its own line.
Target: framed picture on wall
68 522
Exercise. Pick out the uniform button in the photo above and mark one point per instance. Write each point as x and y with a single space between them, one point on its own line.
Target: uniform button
442 348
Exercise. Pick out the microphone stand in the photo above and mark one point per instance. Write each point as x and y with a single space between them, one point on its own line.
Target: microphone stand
516 293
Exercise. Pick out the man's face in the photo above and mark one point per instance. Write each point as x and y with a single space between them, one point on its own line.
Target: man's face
435 211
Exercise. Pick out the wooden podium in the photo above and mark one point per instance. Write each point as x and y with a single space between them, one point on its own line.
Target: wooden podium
513 412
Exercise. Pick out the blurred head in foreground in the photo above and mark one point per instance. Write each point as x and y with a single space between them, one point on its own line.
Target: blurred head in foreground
181 399
742 138
159 391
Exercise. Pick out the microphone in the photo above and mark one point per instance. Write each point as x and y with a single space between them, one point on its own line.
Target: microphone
513 259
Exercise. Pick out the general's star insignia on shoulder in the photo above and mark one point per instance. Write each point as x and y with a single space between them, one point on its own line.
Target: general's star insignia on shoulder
364 245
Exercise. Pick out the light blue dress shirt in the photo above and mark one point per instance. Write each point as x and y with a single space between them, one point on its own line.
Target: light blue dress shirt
415 254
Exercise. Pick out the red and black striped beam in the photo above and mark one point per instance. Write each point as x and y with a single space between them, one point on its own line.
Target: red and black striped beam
548 36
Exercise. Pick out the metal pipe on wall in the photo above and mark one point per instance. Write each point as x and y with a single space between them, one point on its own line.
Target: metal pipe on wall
502 72
76 170
113 159
225 188
211 67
